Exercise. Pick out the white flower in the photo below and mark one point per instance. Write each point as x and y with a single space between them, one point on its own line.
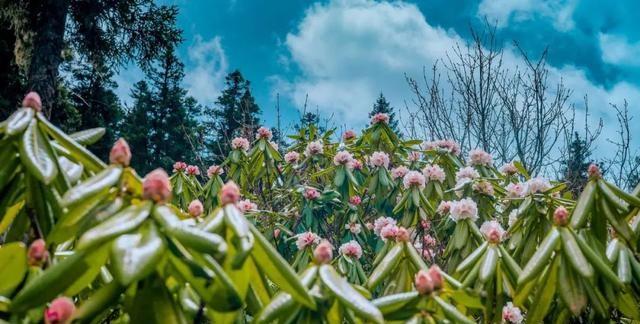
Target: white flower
512 314
354 228
314 148
291 157
380 118
480 157
342 158
466 174
307 239
448 146
381 222
399 172
240 143
463 209
434 172
413 156
514 190
444 207
536 185
509 169
483 187
264 132
492 231
351 249
414 179
247 205
379 159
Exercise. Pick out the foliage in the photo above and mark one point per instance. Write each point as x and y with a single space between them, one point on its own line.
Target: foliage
106 245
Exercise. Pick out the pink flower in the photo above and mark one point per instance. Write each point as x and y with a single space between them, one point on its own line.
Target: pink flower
399 172
265 133
229 193
342 158
311 194
514 190
436 276
32 100
402 235
355 200
512 314
193 170
429 241
382 222
195 208
434 172
414 179
389 232
448 146
214 170
466 174
314 148
120 153
156 186
444 207
561 216
348 135
463 209
594 171
492 231
307 239
323 252
247 205
276 233
179 166
354 228
480 157
509 169
425 224
59 311
423 282
356 165
379 159
351 249
413 156
291 157
484 187
240 143
536 185
380 118
37 254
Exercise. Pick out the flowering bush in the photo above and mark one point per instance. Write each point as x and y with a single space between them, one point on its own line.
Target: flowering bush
416 233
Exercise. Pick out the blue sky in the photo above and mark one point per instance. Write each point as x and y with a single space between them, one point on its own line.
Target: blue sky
342 53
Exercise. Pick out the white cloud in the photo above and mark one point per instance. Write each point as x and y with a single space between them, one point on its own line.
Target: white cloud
560 12
349 51
208 66
618 50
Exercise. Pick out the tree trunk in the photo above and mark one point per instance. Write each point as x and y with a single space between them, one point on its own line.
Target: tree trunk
48 18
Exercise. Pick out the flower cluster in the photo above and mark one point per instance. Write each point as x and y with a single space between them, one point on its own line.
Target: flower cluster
483 187
354 228
444 207
509 169
351 249
514 190
292 157
247 205
448 146
399 172
380 118
195 208
355 200
307 239
214 170
480 157
342 158
192 170
311 194
240 143
492 231
536 185
414 179
512 314
265 133
465 175
379 159
413 156
428 281
434 172
179 166
463 209
382 222
314 148
348 135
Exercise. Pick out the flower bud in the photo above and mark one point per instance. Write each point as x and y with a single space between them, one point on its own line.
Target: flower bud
32 100
436 277
323 252
195 208
37 254
120 153
355 200
276 233
156 186
402 235
594 171
229 193
561 216
60 311
423 282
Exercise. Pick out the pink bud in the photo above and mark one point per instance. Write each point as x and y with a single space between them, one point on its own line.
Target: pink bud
32 100
193 170
594 171
60 311
120 153
355 200
423 282
436 277
276 233
156 186
323 252
402 235
561 216
229 193
195 208
38 253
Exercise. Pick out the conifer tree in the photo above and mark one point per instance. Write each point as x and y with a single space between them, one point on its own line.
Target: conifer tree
383 106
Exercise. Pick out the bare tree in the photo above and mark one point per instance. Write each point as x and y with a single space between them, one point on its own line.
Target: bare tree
624 167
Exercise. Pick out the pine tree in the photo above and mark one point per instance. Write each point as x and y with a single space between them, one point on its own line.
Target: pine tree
307 119
136 127
383 106
236 114
575 165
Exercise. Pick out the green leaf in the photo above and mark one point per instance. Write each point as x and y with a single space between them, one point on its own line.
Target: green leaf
125 221
13 266
624 266
278 270
391 303
384 268
99 301
94 260
348 295
136 255
540 258
154 304
10 215
90 187
472 258
192 237
451 312
598 263
488 268
574 255
19 120
35 156
583 205
544 295
570 290
88 136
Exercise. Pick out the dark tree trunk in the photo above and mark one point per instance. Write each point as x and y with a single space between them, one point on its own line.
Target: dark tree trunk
48 18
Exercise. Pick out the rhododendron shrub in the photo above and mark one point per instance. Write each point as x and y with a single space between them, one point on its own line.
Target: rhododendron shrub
358 227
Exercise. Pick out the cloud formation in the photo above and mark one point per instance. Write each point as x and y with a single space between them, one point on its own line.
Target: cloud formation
618 50
502 12
208 67
349 51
